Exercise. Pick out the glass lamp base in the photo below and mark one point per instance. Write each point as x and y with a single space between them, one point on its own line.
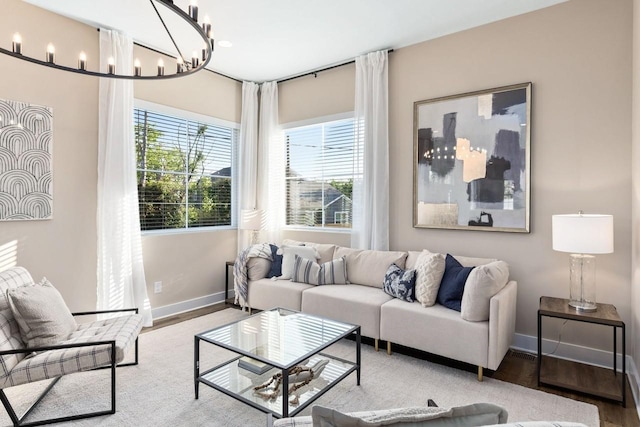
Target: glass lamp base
584 306
583 282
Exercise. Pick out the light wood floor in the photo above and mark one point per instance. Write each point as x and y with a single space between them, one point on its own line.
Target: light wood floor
517 368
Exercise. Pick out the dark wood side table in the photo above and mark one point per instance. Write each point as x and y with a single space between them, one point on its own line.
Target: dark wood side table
226 280
606 315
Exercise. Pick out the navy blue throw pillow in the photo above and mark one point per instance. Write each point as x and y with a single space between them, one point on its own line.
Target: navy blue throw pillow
452 284
276 263
400 283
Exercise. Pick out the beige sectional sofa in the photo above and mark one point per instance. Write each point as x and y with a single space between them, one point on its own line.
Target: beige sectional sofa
436 329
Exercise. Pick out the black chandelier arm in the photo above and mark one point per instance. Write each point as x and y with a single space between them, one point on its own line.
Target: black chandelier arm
167 29
187 70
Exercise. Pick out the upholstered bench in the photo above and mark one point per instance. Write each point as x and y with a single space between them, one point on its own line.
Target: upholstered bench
93 345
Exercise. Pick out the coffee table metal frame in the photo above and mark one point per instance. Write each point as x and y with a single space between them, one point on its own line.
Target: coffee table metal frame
230 365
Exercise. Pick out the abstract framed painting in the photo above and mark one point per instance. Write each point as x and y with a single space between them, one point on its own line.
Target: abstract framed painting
471 160
26 139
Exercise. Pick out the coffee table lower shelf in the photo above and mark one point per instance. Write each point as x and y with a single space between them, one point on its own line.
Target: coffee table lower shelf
239 383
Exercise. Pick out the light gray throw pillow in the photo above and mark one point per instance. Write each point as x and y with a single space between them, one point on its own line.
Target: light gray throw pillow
483 283
41 314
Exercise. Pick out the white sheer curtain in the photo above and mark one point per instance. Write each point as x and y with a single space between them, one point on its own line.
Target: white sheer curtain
271 164
121 281
248 158
370 229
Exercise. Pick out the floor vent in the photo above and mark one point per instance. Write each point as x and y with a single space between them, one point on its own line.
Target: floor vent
522 355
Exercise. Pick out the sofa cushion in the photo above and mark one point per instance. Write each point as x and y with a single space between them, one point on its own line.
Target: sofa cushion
421 328
42 315
288 258
429 271
412 258
366 267
265 294
358 305
325 251
258 268
483 282
452 285
400 283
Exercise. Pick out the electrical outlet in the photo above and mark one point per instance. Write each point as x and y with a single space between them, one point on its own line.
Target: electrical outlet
157 287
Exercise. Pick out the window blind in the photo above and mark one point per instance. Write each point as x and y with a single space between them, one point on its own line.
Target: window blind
184 171
319 174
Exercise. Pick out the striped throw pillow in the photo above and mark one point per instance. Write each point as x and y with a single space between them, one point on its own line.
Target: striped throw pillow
333 272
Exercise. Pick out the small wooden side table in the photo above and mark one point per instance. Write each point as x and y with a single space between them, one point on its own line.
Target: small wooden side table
226 280
607 315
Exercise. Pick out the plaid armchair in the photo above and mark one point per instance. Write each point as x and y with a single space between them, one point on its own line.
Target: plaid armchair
95 345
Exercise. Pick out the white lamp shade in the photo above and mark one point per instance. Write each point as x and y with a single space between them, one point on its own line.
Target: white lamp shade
582 234
251 219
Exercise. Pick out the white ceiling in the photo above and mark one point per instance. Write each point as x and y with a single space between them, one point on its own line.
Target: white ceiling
276 39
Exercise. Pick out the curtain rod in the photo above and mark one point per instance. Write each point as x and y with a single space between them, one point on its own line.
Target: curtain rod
315 72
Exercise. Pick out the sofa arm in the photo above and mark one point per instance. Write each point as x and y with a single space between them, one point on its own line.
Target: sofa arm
502 323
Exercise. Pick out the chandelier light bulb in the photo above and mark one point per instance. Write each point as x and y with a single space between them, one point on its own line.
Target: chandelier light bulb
194 59
193 10
51 53
206 26
137 68
82 61
111 65
17 43
160 67
179 65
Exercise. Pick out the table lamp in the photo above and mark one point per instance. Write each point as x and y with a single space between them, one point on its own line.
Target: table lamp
583 235
252 220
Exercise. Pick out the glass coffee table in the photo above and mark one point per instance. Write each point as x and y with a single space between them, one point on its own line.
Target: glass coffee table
281 339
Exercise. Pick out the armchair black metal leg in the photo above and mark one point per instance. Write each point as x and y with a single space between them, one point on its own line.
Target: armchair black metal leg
113 377
20 421
135 362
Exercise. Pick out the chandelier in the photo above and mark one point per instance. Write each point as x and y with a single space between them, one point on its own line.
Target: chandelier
184 66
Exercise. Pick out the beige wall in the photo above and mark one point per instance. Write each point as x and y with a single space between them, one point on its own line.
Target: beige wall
190 265
635 195
580 139
64 248
331 92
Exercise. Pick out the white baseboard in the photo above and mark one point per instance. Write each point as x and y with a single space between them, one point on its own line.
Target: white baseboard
577 353
188 305
588 355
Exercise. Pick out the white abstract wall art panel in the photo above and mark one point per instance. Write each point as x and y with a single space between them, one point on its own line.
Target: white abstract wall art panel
26 139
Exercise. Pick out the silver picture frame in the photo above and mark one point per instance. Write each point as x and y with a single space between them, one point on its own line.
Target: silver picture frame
472 161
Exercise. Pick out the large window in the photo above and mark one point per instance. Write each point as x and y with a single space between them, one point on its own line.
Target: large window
184 171
319 174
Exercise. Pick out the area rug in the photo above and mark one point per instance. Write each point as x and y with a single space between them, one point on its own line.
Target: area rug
160 391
